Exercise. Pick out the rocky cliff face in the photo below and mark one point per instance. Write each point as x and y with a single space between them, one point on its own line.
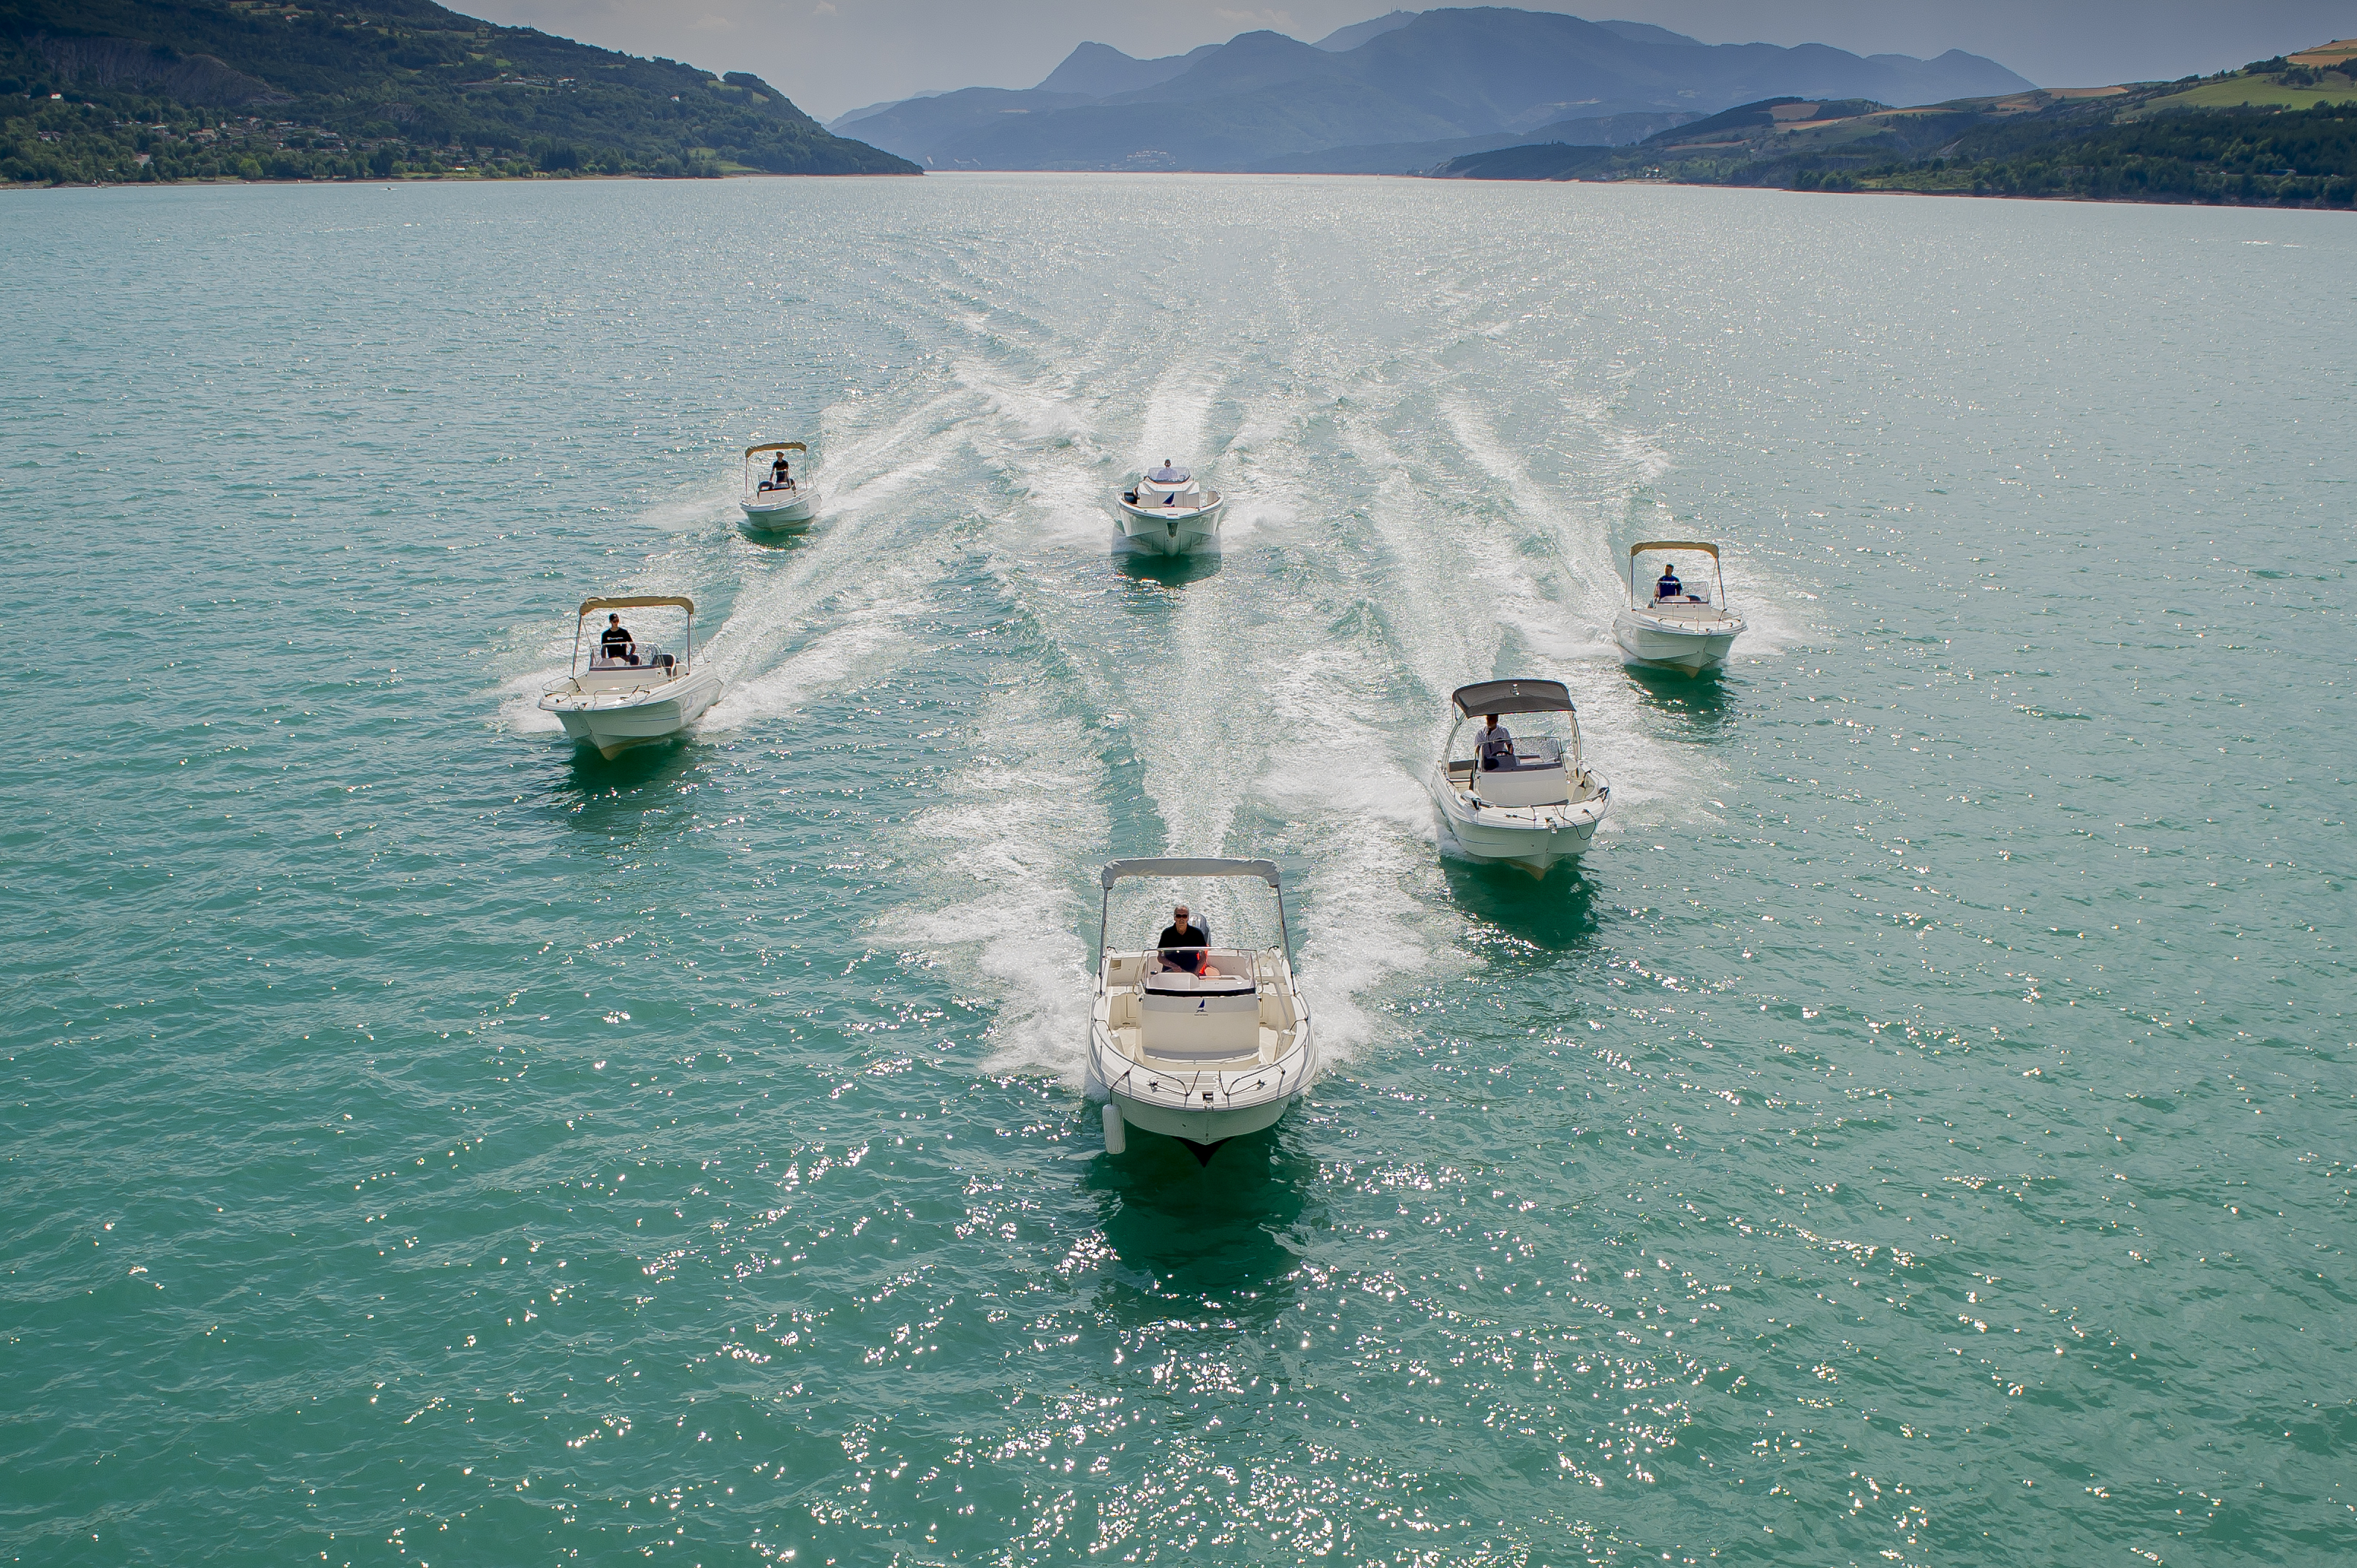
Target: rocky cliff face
133 65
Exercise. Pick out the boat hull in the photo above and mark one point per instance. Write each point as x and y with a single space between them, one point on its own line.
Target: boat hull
766 515
1550 835
1168 1097
1662 644
615 722
1171 531
1209 1128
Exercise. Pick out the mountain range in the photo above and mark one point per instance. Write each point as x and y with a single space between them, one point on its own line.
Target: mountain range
1398 92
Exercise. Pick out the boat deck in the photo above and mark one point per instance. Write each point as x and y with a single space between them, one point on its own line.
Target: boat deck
1250 1021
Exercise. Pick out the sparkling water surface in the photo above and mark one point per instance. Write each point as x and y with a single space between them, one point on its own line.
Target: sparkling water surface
1920 1130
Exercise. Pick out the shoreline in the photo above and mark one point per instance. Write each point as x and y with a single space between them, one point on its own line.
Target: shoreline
15 187
388 182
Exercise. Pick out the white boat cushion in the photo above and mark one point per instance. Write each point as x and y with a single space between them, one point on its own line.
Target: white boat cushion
1523 786
1205 1027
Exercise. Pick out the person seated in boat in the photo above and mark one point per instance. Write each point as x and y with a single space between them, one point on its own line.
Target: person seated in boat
616 644
1182 945
1492 745
1167 474
1669 587
782 475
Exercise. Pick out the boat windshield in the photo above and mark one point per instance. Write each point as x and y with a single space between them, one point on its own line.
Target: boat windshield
1238 915
1524 742
613 635
1168 476
631 656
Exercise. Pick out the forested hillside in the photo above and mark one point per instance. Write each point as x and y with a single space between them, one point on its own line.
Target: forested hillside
105 90
2279 133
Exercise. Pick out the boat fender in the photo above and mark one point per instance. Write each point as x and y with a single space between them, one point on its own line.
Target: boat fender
1116 1136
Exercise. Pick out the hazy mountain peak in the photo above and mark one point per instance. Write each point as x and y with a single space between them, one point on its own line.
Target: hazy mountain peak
1646 33
1411 78
1357 33
1100 70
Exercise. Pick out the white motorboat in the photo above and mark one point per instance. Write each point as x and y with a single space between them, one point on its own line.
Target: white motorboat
1527 799
776 500
1680 630
1201 1055
625 690
1169 512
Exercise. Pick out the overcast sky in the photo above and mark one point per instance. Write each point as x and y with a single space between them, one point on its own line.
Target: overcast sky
832 55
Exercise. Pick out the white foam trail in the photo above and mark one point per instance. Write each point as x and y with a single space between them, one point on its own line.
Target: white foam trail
1375 839
1176 418
864 648
1037 413
1003 903
519 700
691 512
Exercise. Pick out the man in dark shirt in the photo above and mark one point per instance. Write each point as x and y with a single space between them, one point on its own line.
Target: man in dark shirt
1669 587
616 643
1182 943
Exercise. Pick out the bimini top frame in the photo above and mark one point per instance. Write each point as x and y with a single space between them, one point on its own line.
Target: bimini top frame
775 446
1263 869
1716 569
1512 697
636 602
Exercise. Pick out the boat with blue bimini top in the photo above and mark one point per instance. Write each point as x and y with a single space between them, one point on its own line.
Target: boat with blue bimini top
625 690
1169 512
1525 796
1197 1043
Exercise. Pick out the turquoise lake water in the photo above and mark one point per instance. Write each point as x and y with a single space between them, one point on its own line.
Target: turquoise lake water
1920 1130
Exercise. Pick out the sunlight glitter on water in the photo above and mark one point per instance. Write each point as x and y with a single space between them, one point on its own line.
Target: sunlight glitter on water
1912 1134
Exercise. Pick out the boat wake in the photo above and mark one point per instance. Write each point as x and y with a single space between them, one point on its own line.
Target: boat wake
1419 502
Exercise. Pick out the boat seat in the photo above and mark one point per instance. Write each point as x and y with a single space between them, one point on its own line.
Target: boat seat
1201 1026
1542 784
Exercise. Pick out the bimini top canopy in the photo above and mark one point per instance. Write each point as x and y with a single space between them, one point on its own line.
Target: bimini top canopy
776 446
1263 869
639 602
1709 550
1512 697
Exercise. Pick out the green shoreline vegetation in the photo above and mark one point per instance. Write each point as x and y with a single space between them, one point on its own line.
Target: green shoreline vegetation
2277 133
123 91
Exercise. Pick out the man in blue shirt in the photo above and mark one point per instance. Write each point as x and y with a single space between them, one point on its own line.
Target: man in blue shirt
1669 587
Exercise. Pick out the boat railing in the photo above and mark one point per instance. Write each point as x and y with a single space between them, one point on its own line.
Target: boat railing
1194 1086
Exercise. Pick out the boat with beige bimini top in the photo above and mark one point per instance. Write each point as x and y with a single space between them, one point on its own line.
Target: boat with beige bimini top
1199 1043
776 501
1666 625
625 690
